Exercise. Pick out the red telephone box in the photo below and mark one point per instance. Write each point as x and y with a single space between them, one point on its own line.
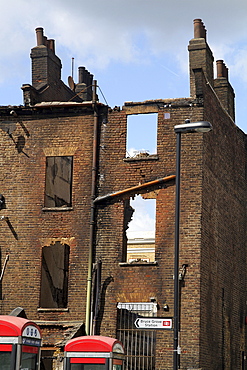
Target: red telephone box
94 353
20 342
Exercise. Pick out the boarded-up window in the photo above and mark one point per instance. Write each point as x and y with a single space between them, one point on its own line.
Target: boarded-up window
58 182
54 276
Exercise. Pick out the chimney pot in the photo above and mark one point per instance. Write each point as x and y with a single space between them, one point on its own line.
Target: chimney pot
226 73
45 41
219 65
204 31
51 44
82 73
199 29
222 70
40 36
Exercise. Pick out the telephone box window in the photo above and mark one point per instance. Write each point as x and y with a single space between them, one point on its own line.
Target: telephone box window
5 359
29 361
58 182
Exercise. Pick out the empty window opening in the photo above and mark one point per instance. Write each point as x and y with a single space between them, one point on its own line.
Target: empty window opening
139 236
54 276
141 135
139 344
58 182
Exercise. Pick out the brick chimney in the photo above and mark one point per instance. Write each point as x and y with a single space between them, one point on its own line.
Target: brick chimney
200 56
46 66
224 89
47 85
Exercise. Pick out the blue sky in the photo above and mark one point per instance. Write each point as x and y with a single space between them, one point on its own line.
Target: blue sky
136 49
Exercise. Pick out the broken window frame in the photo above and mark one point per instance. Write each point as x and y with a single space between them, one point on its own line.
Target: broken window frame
58 182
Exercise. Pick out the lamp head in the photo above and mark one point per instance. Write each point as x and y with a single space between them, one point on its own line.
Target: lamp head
201 126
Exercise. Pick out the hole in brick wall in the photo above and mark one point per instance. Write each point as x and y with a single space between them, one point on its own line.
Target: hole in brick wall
141 135
140 219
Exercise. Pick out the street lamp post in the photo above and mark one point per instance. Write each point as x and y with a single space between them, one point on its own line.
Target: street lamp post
187 127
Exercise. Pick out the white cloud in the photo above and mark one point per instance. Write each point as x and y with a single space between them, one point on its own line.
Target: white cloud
238 65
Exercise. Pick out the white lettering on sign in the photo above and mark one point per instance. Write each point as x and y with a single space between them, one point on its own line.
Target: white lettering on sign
153 323
31 331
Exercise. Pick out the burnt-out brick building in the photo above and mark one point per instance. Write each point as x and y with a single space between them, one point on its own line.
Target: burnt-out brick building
70 255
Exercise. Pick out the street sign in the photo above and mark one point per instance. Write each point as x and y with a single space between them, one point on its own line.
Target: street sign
157 323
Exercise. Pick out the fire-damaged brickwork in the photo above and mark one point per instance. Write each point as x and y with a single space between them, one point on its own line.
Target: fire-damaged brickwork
68 182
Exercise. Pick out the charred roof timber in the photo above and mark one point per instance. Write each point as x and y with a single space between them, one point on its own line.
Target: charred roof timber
138 189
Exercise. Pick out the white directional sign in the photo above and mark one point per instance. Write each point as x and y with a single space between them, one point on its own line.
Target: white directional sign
153 323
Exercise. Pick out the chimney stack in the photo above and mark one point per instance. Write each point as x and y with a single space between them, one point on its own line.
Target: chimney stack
46 74
46 66
200 58
224 89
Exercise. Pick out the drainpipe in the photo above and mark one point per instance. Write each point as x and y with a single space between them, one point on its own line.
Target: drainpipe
4 267
92 218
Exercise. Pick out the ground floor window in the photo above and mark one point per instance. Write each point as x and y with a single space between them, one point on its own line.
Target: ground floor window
54 276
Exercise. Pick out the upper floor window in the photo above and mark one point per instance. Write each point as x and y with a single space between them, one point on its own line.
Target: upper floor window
58 182
141 135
